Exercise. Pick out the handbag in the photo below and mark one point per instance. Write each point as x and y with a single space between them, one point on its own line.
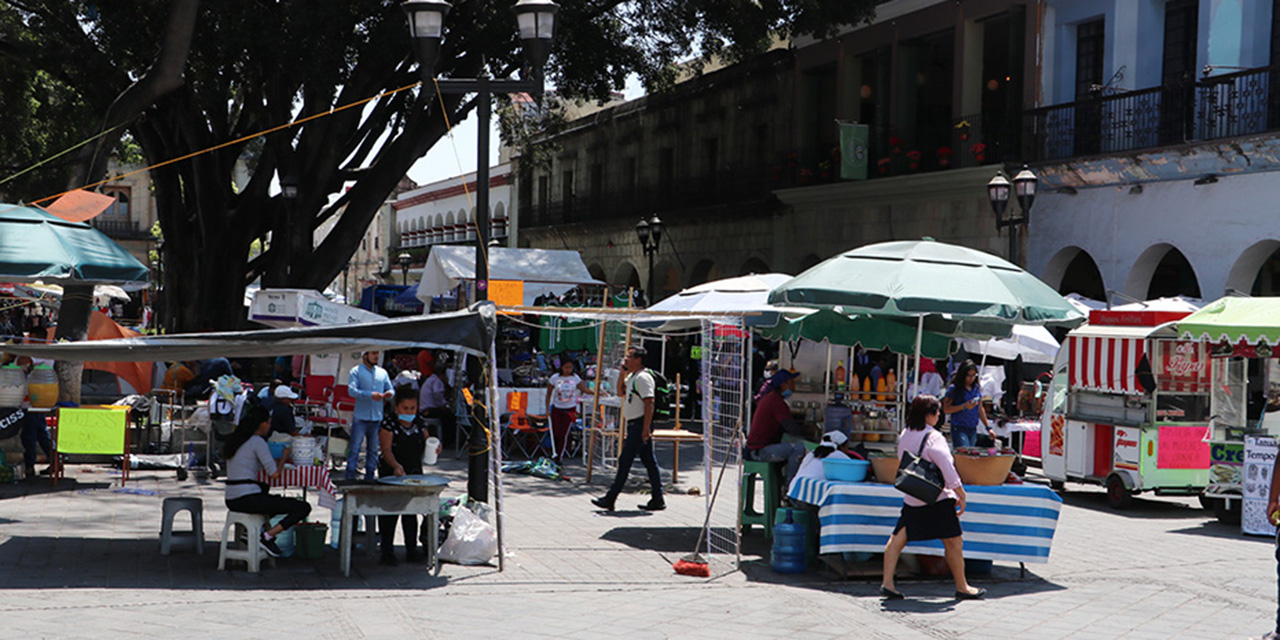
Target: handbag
918 477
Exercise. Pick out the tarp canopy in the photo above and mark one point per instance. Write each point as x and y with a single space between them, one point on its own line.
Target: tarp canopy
470 331
543 271
869 332
1234 320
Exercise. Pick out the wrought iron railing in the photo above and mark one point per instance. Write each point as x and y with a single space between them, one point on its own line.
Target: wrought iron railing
117 227
1223 106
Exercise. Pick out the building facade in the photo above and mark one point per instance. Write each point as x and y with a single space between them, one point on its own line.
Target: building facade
129 219
742 164
1156 142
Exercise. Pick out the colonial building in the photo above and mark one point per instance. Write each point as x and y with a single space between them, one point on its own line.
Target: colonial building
742 164
1155 137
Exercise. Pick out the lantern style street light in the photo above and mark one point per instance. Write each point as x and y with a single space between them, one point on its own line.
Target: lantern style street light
403 260
650 234
536 21
998 192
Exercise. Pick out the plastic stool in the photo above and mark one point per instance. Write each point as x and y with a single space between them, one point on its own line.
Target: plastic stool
171 507
771 474
253 525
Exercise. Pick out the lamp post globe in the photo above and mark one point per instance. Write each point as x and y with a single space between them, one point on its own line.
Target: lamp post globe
1024 186
998 195
536 20
403 260
642 232
655 230
426 28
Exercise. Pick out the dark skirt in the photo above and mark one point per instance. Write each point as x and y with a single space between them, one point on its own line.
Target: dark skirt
930 522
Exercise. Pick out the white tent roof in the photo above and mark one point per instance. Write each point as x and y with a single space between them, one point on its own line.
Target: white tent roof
743 295
1176 303
1034 344
543 271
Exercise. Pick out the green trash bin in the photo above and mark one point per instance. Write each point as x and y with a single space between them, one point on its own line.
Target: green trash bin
309 539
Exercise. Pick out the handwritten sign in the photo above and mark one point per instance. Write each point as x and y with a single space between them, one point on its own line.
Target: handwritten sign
1182 448
92 431
506 292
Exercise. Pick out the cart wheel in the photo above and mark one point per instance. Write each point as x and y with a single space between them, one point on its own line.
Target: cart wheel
1118 495
1207 503
1058 485
182 474
1227 511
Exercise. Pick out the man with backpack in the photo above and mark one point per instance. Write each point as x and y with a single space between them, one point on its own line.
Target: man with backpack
636 387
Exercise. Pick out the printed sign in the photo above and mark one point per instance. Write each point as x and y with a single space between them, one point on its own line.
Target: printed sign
1057 425
11 421
1182 448
507 292
92 431
1182 365
1127 452
1259 460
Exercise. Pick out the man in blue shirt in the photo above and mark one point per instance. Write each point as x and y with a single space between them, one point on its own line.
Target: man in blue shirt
370 386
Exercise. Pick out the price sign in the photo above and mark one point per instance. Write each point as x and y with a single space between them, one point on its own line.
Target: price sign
92 431
1182 448
507 292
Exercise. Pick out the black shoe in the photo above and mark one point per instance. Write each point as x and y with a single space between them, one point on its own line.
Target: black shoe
890 594
603 503
269 545
977 595
654 505
388 560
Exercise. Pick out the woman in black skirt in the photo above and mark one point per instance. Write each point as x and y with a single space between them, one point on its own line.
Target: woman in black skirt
920 521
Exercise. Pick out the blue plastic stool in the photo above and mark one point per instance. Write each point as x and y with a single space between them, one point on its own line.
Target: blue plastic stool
770 473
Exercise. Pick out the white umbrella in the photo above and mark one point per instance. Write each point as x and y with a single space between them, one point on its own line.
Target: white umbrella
1034 344
1083 304
746 296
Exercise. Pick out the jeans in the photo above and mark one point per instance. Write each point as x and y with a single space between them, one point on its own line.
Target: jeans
790 452
964 436
363 432
34 432
269 505
635 445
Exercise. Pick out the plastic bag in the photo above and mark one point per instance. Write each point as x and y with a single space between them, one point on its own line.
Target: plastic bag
471 540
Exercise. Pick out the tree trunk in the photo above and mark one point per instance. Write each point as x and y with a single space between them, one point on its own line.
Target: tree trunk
73 325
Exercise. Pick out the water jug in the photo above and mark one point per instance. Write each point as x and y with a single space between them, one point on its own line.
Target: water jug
13 386
43 387
788 547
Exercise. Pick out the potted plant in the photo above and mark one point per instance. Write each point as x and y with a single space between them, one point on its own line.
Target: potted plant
944 156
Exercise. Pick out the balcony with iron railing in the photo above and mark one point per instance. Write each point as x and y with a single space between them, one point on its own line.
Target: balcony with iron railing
1225 106
120 228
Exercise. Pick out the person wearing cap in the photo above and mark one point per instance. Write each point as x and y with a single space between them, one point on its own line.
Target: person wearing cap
282 411
773 418
370 386
835 445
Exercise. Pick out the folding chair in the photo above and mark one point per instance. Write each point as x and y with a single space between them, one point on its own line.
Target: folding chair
525 432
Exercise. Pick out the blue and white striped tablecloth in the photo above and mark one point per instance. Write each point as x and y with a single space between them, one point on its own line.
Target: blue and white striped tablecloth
1009 522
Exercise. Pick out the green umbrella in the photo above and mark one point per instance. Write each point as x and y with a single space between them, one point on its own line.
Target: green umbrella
35 245
869 332
924 278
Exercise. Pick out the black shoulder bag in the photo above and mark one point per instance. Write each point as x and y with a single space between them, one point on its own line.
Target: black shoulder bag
918 477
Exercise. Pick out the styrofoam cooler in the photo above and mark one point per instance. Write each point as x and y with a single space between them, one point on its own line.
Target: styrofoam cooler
304 451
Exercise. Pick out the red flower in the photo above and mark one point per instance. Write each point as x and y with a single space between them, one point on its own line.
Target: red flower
895 144
978 149
883 164
944 152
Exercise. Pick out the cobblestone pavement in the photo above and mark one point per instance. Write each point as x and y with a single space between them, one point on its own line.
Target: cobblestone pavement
81 561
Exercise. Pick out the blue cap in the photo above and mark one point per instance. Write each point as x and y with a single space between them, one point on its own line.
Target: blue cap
781 376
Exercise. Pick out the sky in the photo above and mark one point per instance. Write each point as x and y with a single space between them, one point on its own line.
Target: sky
455 154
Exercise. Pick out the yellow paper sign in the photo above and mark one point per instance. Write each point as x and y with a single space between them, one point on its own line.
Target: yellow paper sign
507 292
92 431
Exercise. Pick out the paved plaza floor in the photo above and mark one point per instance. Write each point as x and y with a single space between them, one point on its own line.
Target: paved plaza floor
81 560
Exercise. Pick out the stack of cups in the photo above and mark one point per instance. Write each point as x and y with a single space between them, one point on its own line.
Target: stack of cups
429 454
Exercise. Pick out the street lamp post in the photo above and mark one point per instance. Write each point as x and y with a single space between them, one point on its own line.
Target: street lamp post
403 260
291 243
536 21
1024 187
650 234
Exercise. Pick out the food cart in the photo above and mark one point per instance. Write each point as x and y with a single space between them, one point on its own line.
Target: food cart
1129 408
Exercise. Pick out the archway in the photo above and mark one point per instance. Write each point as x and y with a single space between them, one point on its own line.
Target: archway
626 276
1082 276
704 271
1257 270
753 265
666 279
1162 271
597 272
808 262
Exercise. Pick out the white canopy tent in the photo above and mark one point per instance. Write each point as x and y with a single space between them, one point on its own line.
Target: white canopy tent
746 296
543 271
1035 345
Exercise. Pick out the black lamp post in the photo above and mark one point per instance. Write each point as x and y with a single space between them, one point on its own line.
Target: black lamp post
404 259
998 190
288 249
536 21
650 234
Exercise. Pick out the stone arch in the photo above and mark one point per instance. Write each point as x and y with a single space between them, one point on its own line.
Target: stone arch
666 279
439 220
1162 270
1250 274
625 275
499 210
704 271
754 264
597 272
1073 270
808 262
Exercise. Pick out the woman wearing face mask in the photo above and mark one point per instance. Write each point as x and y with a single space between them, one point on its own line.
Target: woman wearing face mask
771 419
402 440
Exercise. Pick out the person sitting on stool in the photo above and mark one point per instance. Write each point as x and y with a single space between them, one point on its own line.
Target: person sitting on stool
771 419
247 453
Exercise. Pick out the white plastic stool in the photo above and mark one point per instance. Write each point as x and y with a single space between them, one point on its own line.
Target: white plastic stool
170 508
253 525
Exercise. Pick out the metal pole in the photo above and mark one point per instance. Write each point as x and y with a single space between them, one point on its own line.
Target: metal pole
478 443
497 460
650 297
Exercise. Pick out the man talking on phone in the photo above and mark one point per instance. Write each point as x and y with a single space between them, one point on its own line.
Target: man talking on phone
636 386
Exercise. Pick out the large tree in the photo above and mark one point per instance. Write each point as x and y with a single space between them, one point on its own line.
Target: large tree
182 77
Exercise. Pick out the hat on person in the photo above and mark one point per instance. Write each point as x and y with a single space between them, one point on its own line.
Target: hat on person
283 392
781 377
834 439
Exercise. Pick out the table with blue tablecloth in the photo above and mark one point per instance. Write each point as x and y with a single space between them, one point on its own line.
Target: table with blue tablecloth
1013 522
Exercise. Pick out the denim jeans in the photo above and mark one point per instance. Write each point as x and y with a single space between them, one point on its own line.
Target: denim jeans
635 445
964 436
790 452
34 432
363 432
